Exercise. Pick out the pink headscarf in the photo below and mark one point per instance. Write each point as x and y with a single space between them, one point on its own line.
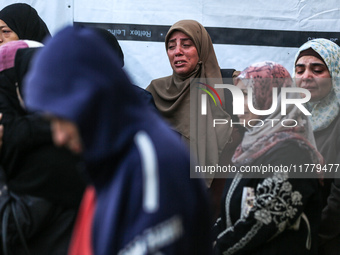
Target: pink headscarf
8 51
262 78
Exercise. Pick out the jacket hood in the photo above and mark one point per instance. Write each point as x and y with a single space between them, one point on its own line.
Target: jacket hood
77 76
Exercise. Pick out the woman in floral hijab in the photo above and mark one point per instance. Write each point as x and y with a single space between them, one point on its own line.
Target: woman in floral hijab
317 68
265 210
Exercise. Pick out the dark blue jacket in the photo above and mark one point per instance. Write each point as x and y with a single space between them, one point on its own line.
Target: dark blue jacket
146 201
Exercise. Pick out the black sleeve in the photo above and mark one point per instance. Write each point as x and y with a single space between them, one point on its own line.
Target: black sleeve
330 217
22 131
26 132
26 214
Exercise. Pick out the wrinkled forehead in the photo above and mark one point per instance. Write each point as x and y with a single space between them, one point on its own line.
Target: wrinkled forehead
176 32
325 50
189 27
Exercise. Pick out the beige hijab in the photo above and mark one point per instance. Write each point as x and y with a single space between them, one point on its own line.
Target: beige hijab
179 99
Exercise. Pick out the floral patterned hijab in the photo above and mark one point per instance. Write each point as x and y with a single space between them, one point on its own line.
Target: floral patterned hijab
262 78
327 109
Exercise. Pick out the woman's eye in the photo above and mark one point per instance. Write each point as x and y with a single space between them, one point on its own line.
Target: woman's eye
187 45
299 71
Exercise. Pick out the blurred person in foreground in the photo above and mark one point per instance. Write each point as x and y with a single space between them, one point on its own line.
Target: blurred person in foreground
146 202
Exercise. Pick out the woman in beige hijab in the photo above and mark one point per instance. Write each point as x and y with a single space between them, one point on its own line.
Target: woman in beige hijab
178 96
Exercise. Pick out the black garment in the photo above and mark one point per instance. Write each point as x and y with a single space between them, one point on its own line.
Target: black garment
43 182
23 59
112 41
114 45
278 203
227 73
45 226
328 143
147 97
33 164
25 22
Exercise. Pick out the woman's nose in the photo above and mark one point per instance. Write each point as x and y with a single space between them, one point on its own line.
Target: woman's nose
178 51
307 74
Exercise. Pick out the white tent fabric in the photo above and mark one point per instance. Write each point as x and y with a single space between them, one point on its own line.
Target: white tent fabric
147 60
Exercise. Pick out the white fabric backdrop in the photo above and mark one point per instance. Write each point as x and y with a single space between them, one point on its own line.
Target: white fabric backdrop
145 60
